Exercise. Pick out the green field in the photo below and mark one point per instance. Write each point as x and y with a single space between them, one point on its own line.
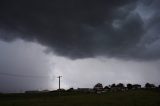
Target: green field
128 98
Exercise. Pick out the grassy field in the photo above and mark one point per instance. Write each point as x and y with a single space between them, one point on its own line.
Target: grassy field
129 98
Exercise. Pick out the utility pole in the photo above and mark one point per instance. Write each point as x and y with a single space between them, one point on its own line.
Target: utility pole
59 77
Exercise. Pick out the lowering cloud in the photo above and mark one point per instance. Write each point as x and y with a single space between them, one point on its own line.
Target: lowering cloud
127 29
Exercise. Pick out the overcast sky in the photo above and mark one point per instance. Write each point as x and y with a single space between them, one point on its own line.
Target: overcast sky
85 41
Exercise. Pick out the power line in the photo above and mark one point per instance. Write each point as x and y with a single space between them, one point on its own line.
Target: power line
22 75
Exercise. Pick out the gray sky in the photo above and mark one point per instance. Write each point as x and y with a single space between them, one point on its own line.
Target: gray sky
85 41
28 67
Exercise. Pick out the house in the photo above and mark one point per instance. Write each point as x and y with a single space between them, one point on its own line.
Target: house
136 86
106 88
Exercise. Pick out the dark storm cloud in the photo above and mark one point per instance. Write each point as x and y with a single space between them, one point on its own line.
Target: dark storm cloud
79 28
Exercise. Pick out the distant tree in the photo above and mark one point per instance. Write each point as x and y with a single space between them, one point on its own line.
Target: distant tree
129 86
70 89
62 90
98 87
159 86
113 85
148 85
120 85
113 88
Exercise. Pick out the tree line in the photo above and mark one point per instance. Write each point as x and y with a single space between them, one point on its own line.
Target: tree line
121 87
